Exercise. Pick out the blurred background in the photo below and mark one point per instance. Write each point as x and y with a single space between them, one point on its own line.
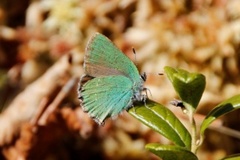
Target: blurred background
42 47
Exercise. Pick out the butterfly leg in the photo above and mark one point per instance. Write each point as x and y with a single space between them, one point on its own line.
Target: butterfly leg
145 96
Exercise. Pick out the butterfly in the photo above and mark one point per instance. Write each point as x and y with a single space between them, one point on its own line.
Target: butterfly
111 82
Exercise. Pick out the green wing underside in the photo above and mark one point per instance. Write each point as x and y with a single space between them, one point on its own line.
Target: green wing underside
105 97
103 58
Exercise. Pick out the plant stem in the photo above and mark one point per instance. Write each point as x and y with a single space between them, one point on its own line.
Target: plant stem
194 145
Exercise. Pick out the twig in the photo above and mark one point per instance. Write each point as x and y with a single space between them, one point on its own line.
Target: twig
61 95
24 106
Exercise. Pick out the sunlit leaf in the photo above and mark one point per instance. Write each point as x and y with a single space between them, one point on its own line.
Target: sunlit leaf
189 86
226 106
232 157
167 152
162 120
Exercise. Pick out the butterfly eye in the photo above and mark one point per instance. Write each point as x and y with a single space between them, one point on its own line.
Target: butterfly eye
144 76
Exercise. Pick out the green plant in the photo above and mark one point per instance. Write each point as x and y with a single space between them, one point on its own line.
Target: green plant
189 87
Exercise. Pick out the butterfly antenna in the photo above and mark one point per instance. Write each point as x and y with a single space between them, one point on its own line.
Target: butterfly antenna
135 55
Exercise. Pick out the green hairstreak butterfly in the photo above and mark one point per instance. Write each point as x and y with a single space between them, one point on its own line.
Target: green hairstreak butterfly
111 82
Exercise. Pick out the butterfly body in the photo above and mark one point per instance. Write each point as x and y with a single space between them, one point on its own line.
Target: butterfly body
111 82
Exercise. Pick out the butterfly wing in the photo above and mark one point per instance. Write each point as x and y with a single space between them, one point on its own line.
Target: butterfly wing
105 97
103 58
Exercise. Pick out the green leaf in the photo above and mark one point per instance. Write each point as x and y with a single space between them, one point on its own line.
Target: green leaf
232 157
167 152
226 106
189 86
162 120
